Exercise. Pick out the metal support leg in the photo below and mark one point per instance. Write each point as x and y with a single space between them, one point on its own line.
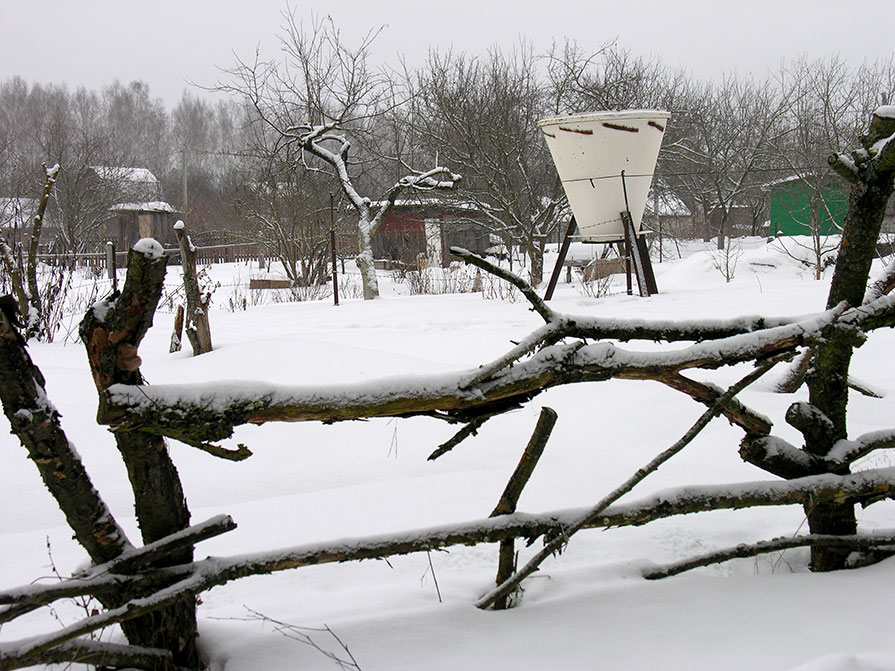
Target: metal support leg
563 251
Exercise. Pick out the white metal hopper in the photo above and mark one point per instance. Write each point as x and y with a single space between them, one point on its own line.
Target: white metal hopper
590 152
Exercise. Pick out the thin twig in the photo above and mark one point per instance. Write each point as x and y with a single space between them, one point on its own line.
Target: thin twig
506 505
434 577
469 430
549 334
530 457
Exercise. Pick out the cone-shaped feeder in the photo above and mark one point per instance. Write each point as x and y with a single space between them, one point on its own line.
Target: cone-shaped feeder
590 152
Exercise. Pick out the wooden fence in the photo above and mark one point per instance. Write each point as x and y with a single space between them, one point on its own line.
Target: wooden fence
110 259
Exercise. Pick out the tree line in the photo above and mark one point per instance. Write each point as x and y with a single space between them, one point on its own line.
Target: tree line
323 118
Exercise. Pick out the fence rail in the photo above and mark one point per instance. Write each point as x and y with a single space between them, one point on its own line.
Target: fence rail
110 259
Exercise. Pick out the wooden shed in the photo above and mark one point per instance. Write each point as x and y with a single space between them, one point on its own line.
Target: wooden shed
423 231
799 206
132 221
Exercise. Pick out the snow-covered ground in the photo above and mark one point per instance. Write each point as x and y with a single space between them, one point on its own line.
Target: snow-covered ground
586 609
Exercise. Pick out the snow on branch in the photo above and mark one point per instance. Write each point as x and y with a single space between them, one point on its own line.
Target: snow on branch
106 655
209 411
845 452
436 178
775 455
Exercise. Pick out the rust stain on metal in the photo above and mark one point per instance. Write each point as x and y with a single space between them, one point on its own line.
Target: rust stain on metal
582 131
618 126
656 125
549 135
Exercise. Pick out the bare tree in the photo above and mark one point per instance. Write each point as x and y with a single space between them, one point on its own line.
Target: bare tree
284 206
95 171
208 150
138 126
318 104
31 297
718 146
480 117
606 79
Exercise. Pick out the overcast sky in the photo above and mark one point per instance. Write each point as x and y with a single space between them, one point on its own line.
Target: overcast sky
170 43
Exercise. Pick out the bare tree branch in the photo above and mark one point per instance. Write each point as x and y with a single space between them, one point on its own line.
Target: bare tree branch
874 541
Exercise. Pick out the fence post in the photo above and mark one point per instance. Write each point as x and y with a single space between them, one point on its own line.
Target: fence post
110 264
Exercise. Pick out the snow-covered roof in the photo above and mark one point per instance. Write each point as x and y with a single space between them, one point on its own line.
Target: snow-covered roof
669 205
150 206
885 111
139 175
782 180
789 179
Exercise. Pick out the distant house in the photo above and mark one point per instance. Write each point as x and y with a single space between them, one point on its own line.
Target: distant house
798 206
131 184
17 218
416 231
739 220
675 217
794 202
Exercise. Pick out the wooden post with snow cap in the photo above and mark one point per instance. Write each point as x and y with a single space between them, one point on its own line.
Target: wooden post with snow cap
198 330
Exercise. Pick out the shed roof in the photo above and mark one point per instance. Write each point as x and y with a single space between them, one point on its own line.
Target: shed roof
150 206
